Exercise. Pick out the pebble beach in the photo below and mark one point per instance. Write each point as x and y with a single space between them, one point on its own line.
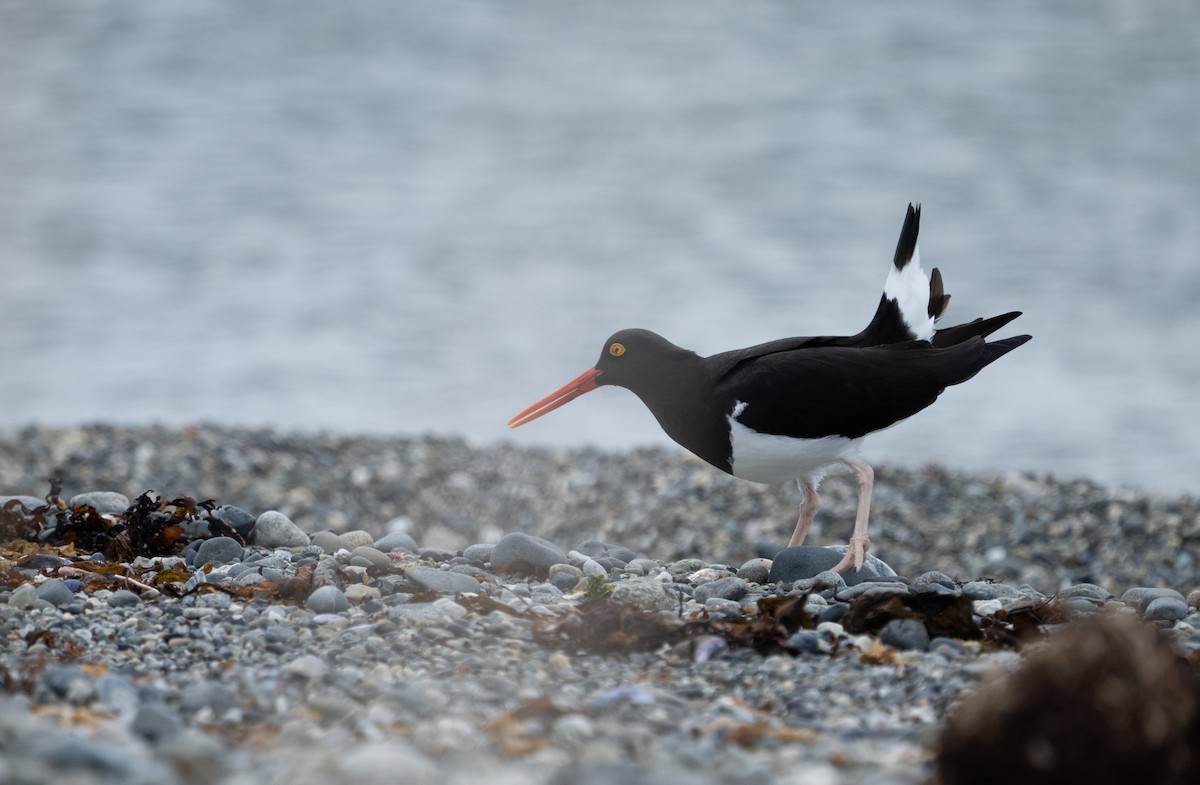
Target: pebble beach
218 605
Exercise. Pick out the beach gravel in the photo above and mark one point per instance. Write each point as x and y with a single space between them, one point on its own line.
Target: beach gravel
589 626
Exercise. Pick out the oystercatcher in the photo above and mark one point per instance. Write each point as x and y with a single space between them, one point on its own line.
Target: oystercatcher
794 408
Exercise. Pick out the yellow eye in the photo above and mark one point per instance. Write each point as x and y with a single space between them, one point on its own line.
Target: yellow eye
617 349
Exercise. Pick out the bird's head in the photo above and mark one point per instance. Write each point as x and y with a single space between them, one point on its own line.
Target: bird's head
629 359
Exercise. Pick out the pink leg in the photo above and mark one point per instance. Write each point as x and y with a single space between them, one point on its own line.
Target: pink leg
808 510
859 544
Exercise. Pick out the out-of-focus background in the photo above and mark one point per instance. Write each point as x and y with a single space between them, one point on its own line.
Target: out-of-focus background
422 216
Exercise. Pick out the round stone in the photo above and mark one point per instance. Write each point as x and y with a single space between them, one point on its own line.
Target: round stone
123 598
358 593
275 530
327 541
327 599
356 537
523 553
645 593
1166 609
443 581
808 561
396 541
480 552
375 557
219 550
905 634
104 502
55 592
725 589
755 571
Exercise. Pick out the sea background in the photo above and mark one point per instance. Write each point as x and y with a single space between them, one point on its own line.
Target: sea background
415 217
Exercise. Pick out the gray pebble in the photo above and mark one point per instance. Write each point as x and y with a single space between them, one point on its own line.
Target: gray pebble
871 589
55 592
154 722
1089 590
725 588
591 568
643 567
123 598
376 558
523 553
983 590
433 579
104 502
480 552
905 634
808 561
1140 597
275 530
755 571
648 594
24 597
327 599
219 550
397 541
934 578
327 541
356 537
1166 609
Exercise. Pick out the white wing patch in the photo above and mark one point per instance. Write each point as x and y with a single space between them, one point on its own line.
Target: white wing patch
767 458
909 287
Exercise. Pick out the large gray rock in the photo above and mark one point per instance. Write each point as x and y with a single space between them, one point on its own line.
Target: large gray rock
105 502
524 553
808 561
273 529
433 579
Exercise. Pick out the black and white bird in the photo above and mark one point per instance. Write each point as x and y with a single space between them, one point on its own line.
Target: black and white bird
796 407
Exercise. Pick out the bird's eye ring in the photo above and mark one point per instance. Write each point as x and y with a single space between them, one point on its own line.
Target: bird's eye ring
617 349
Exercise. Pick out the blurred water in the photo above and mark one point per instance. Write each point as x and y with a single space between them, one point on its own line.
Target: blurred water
422 216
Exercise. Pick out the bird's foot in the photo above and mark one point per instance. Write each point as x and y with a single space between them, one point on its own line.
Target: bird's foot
856 553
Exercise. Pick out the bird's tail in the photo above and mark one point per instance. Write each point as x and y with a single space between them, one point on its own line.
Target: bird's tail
911 302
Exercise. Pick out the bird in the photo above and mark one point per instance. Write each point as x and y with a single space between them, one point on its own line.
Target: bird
794 408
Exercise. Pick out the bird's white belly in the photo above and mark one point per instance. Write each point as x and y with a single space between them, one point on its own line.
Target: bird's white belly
768 458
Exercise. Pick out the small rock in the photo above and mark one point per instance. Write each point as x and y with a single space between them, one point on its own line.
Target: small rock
1141 596
725 589
523 553
591 548
645 593
275 530
358 593
328 541
396 541
755 571
57 594
808 561
123 598
934 578
1166 609
376 557
219 550
155 722
433 579
1088 590
905 634
1193 598
479 552
24 597
327 599
983 590
356 537
104 502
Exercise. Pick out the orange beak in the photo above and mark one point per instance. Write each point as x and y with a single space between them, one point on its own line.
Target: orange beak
569 392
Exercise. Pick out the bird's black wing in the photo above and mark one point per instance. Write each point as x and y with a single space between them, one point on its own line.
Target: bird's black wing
844 391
